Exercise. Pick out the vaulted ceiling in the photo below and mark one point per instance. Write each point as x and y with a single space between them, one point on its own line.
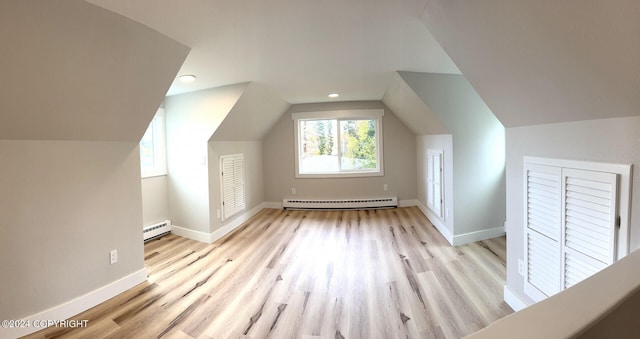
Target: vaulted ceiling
545 61
300 50
74 71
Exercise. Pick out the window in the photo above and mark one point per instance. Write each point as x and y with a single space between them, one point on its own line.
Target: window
152 148
339 143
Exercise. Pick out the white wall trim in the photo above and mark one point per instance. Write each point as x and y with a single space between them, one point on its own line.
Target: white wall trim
436 222
191 234
235 222
232 224
461 239
78 305
513 300
274 205
408 203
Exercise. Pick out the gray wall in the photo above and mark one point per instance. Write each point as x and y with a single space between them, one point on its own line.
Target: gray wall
191 120
155 201
442 142
64 206
615 140
399 160
478 146
254 178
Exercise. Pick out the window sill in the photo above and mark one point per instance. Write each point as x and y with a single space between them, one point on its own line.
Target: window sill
339 175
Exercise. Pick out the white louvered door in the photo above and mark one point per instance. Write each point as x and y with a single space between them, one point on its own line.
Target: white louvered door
571 226
589 223
232 184
434 181
542 232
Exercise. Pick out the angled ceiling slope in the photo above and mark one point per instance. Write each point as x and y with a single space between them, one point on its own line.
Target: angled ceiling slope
410 108
538 62
455 103
74 71
253 115
301 50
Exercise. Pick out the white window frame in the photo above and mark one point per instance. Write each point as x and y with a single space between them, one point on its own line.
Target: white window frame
373 114
159 167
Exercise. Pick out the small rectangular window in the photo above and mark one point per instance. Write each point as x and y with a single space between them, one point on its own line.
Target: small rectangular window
339 143
152 148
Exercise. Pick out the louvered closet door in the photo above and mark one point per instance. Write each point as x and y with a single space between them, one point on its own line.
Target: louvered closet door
434 181
232 182
543 230
437 184
589 224
429 179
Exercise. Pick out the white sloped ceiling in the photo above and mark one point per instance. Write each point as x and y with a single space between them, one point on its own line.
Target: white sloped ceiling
411 109
74 71
538 62
252 116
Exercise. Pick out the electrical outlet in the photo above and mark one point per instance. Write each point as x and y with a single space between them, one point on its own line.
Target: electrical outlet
521 267
113 256
293 191
385 187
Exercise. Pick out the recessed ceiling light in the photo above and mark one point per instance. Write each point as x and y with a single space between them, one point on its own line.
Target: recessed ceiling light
333 95
187 78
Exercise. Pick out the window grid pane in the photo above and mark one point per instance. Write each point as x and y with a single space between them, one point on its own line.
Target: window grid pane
334 146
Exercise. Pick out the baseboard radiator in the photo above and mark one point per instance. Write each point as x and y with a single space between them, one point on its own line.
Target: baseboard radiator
340 203
154 231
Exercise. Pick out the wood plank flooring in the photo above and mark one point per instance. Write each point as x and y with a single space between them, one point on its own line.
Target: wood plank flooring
309 274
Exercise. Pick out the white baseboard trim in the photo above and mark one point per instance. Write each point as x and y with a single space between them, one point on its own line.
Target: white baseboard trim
512 300
470 237
78 305
191 234
460 239
436 222
220 232
408 203
237 221
271 204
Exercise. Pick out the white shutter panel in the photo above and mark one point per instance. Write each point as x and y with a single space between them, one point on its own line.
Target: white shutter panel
578 267
430 180
583 201
232 184
543 230
543 200
589 232
543 266
437 184
434 181
238 172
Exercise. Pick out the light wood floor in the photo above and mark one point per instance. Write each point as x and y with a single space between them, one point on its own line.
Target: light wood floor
310 274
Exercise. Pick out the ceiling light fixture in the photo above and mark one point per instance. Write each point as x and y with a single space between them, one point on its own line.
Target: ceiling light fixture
187 78
333 95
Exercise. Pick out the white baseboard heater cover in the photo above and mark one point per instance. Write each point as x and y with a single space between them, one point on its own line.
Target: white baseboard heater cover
340 203
156 230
